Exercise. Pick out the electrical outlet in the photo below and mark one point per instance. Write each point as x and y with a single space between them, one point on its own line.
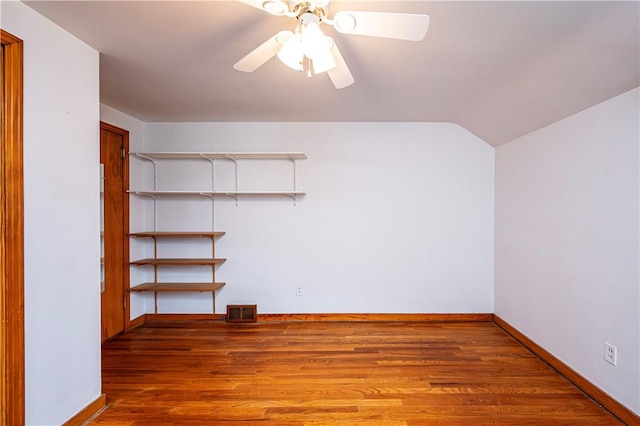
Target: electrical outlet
610 353
298 290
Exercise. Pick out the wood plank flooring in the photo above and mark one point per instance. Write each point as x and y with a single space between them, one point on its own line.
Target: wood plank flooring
334 373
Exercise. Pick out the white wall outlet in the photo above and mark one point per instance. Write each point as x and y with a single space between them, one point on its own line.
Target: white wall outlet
610 353
298 290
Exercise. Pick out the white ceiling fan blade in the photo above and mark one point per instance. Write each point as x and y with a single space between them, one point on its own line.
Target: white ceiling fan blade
261 54
274 7
340 75
402 26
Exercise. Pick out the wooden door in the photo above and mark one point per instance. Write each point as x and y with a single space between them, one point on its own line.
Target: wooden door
114 146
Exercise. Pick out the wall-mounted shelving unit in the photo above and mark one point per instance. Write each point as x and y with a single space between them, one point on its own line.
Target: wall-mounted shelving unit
221 155
157 262
153 157
232 194
211 157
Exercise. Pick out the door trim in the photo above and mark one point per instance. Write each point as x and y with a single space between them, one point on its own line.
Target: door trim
12 235
125 215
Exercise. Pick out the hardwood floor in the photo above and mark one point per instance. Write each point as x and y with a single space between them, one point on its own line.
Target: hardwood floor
334 373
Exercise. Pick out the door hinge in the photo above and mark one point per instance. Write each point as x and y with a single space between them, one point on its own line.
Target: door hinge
124 153
124 303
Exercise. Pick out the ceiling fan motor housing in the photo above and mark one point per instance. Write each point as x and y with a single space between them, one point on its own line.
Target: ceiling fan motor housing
307 8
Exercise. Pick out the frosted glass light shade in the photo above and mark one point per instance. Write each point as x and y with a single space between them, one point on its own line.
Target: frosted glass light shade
323 61
291 54
312 40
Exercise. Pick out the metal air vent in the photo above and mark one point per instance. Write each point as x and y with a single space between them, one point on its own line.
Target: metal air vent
242 313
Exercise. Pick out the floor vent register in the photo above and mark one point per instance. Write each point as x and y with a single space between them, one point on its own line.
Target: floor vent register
242 313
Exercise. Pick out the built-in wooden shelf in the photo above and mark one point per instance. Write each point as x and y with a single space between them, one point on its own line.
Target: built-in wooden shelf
157 262
207 234
178 261
177 287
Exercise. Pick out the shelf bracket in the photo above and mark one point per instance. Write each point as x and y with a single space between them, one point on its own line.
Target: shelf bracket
235 163
213 188
293 196
153 161
234 196
145 194
295 183
293 161
155 186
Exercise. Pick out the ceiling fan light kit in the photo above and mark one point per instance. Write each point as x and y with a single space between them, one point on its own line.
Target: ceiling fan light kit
308 41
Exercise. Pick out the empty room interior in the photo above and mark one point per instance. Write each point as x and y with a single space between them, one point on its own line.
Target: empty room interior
429 213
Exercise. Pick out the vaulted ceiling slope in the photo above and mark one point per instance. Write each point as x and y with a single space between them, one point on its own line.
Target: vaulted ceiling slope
499 69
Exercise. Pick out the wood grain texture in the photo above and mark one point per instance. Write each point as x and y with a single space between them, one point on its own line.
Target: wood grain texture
374 317
177 287
178 261
585 385
357 373
150 318
114 299
12 388
176 234
126 279
178 318
4 333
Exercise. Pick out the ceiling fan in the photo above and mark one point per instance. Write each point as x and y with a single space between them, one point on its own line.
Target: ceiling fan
308 44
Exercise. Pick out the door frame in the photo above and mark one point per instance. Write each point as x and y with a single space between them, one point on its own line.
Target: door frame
125 219
12 235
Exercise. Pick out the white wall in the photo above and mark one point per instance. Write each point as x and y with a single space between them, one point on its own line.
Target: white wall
61 175
136 130
398 217
567 245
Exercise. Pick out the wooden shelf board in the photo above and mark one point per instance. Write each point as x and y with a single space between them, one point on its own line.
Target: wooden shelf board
177 287
206 193
178 261
176 234
221 155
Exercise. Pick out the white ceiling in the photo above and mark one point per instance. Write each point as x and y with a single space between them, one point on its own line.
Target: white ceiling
500 69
